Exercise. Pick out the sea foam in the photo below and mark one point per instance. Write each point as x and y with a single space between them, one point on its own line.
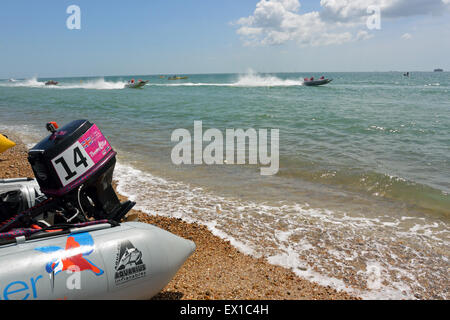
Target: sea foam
374 258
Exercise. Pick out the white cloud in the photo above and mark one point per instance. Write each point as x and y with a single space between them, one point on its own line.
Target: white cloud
347 10
363 35
276 22
407 36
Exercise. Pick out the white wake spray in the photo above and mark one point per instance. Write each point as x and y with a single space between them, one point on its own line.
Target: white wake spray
92 84
247 80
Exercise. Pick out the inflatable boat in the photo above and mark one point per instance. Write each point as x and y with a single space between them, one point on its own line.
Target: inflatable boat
62 235
99 261
51 83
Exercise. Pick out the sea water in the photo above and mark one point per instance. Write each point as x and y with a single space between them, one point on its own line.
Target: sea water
361 199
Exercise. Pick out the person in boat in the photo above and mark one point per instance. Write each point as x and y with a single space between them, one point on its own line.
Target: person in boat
312 79
322 78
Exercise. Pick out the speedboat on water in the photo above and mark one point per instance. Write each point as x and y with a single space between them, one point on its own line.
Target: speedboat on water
62 235
51 83
136 84
311 82
177 78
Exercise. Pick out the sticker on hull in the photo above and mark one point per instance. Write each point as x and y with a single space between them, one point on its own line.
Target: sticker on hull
72 257
129 264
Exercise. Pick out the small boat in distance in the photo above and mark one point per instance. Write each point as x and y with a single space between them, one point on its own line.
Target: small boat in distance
136 84
51 83
406 74
439 70
177 78
313 83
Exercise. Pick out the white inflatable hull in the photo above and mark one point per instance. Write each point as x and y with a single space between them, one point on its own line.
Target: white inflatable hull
130 261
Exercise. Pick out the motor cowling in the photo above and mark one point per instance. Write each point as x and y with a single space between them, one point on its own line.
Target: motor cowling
75 165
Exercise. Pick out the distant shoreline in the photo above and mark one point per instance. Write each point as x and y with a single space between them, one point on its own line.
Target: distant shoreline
213 73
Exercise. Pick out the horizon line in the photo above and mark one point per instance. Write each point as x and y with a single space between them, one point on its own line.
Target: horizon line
218 73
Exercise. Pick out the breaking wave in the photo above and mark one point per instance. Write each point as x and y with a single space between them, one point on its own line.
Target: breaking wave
381 257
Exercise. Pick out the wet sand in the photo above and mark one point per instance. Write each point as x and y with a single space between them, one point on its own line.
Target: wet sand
216 270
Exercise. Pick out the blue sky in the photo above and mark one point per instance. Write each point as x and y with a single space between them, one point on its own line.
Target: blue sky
212 36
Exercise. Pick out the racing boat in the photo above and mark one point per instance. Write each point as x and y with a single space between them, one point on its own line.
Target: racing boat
5 143
136 85
51 83
319 82
176 78
62 235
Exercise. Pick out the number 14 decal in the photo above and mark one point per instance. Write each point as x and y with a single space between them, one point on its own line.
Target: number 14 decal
72 163
76 154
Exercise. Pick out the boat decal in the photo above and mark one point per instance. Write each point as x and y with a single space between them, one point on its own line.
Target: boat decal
72 257
129 265
23 289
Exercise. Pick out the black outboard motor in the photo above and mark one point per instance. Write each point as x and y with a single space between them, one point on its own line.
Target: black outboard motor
73 167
